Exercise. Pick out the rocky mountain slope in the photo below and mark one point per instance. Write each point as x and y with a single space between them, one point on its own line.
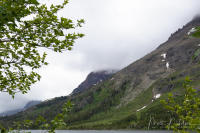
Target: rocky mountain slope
93 79
130 97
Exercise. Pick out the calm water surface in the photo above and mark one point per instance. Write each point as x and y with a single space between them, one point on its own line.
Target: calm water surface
102 131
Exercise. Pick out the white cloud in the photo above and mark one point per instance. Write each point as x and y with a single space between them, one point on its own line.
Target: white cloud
7 103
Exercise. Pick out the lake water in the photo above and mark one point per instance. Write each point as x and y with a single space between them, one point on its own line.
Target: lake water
101 131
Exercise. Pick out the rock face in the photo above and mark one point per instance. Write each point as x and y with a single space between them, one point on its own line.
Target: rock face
171 56
93 79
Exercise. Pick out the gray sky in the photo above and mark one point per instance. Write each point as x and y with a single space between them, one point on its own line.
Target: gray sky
118 32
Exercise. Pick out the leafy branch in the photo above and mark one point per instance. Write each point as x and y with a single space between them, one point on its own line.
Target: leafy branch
25 27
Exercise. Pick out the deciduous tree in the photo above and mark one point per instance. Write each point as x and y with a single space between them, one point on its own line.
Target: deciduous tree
25 27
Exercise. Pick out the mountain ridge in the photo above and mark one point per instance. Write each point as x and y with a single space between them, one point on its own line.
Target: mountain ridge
129 97
93 78
15 111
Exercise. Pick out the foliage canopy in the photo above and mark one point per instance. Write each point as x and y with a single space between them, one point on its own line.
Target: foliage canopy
187 111
26 26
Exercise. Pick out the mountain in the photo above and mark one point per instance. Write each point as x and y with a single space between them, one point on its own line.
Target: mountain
31 104
10 112
15 111
93 79
130 98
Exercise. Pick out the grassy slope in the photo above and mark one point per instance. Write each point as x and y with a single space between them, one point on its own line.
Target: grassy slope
101 111
116 117
128 117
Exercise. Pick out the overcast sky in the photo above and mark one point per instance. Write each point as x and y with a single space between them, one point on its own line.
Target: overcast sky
118 32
